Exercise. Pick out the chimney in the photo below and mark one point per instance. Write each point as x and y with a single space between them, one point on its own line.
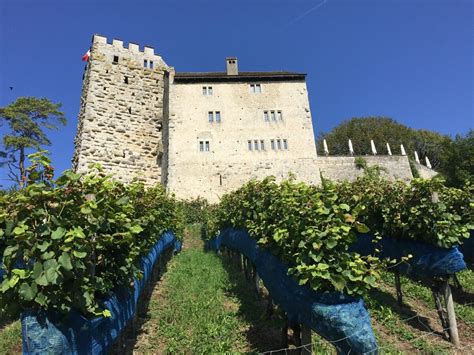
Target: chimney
232 67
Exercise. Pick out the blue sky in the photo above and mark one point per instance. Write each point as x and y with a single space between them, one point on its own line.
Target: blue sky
411 60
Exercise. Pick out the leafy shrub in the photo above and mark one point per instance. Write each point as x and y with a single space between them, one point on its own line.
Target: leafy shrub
68 243
423 210
194 210
460 201
308 227
360 163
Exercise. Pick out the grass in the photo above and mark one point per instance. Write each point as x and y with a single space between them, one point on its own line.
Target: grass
202 305
382 309
411 325
191 315
464 300
10 337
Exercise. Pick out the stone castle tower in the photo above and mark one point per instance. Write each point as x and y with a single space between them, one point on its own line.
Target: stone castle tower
122 111
201 133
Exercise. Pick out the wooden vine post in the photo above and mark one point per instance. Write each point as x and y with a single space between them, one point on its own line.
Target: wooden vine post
445 292
452 324
398 287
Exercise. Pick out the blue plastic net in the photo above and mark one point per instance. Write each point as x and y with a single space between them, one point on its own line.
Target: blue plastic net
79 335
427 260
341 319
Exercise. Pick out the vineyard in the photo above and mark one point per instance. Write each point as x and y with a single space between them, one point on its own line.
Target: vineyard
369 266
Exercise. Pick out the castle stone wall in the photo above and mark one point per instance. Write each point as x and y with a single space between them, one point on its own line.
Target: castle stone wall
229 162
425 172
394 167
121 116
223 177
137 122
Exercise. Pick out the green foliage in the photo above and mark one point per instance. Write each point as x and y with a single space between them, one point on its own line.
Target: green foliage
26 118
209 222
459 201
194 210
411 211
68 243
360 163
309 227
458 162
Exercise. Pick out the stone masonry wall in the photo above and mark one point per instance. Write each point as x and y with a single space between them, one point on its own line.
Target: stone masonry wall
425 172
229 162
121 115
396 167
224 177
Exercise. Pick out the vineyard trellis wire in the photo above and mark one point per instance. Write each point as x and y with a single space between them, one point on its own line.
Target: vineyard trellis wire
308 346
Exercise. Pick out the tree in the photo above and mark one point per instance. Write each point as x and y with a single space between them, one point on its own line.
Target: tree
384 130
458 163
26 118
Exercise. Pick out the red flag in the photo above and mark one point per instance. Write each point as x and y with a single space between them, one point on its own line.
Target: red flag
85 57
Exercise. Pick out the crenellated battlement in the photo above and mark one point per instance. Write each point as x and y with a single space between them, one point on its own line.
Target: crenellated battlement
101 42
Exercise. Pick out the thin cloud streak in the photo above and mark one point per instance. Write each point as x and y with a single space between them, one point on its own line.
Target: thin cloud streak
306 13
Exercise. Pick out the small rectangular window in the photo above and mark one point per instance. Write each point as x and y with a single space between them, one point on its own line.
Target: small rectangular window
285 144
255 143
218 116
210 115
272 143
151 64
265 116
207 90
279 116
201 146
250 145
145 63
273 116
255 88
207 146
116 59
279 144
262 144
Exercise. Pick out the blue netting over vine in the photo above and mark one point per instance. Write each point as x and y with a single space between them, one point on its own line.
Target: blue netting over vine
428 261
79 335
467 249
340 319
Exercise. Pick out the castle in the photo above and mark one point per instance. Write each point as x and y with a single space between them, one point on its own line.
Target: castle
200 134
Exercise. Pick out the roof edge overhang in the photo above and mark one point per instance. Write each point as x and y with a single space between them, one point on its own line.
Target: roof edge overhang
208 77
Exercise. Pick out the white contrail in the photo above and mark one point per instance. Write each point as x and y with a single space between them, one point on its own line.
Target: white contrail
314 8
